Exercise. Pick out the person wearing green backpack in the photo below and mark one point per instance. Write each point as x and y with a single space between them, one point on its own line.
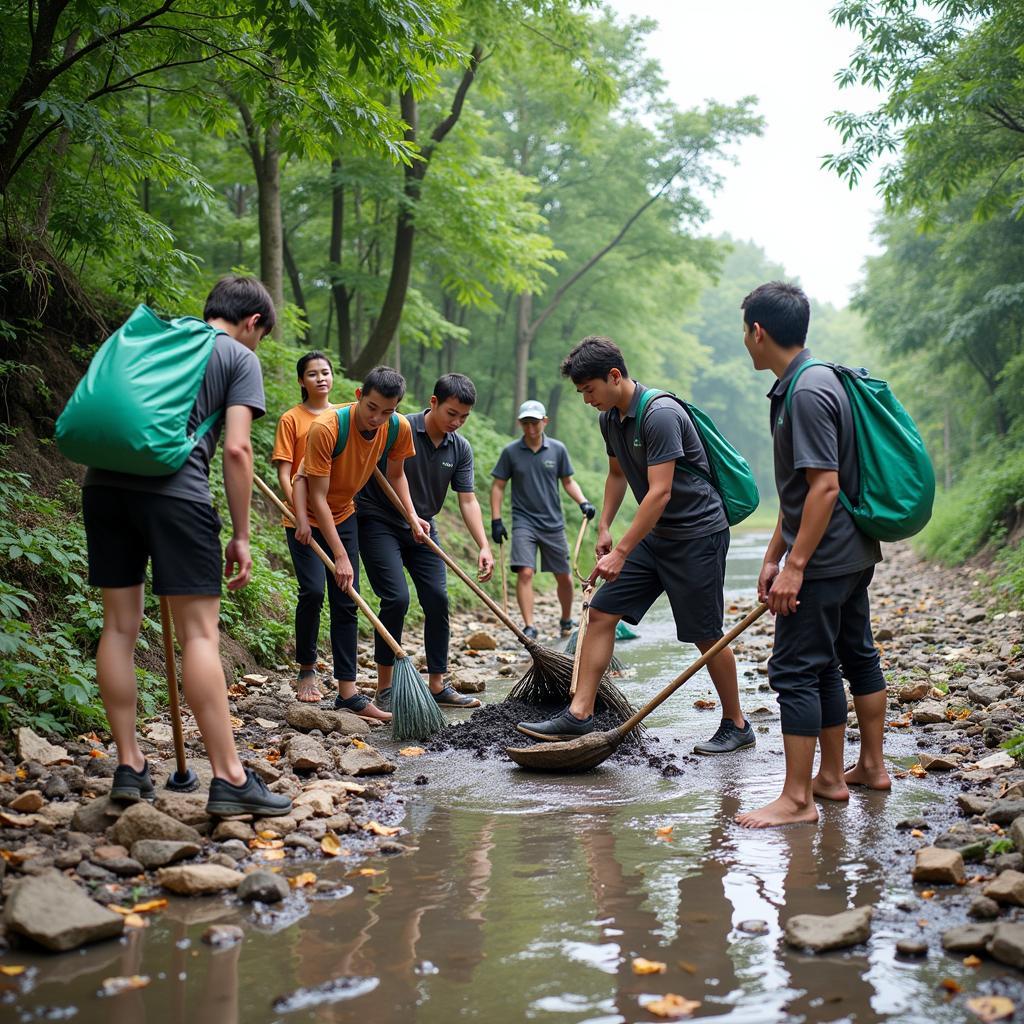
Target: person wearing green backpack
819 593
677 542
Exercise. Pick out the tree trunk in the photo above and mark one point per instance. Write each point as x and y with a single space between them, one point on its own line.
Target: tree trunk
524 339
269 205
339 293
295 279
554 400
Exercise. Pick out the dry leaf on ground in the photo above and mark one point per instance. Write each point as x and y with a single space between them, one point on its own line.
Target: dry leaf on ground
950 985
673 1006
705 705
381 830
370 872
135 921
991 1008
266 844
12 970
148 906
358 743
641 965
115 986
412 751
273 854
303 881
330 845
972 961
664 830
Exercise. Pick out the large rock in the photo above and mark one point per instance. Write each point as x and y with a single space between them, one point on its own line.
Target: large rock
226 830
264 887
142 821
322 803
1017 833
913 692
189 808
1007 945
28 802
1007 888
934 864
364 761
971 804
939 762
481 641
311 716
54 912
968 938
821 933
1004 812
199 879
985 692
96 816
928 712
32 747
305 754
158 853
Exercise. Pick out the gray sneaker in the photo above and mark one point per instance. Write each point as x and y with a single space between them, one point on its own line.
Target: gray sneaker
252 797
130 786
564 726
728 737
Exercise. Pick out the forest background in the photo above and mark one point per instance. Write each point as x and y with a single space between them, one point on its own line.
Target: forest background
474 185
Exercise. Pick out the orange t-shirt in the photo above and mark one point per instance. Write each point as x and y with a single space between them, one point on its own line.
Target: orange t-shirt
290 439
354 466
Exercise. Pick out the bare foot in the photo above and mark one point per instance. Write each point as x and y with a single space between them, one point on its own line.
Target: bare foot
309 689
782 811
829 790
870 778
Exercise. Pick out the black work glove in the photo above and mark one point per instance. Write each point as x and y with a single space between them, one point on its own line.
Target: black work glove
587 509
498 531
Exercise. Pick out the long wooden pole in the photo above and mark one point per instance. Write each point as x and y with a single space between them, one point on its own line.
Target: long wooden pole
173 698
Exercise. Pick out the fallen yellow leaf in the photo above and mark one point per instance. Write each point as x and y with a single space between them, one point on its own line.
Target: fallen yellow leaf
381 830
96 752
685 965
118 909
917 833
12 970
665 830
369 872
135 921
303 881
705 705
928 894
267 834
671 1005
358 743
115 986
644 966
412 752
148 906
991 1008
330 845
917 771
950 985
273 855
266 844
972 961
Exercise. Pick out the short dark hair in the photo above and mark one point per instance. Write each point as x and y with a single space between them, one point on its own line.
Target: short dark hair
235 298
387 382
304 361
457 386
781 309
593 359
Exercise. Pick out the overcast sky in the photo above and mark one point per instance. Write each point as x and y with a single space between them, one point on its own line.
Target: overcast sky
786 53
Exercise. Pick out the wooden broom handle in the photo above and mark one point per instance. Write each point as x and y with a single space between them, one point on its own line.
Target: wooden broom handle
172 686
329 562
576 551
385 486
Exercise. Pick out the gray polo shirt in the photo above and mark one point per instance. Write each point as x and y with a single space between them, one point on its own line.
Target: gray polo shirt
818 434
430 472
535 476
695 508
233 377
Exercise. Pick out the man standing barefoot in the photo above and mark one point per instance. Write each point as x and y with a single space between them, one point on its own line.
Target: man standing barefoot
820 593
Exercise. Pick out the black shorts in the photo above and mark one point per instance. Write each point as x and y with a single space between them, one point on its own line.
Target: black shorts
691 572
124 529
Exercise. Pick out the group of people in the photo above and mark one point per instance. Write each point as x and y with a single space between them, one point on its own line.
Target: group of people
326 456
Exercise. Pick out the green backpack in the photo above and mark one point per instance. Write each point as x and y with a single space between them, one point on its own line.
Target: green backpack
730 474
130 411
897 482
345 423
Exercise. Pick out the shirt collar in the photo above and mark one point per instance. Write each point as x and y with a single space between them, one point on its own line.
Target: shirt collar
783 382
634 402
543 443
418 422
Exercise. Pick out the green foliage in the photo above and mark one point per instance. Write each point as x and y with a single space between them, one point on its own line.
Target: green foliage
1009 580
1014 746
998 846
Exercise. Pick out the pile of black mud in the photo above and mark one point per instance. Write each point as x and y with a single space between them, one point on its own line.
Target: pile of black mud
492 728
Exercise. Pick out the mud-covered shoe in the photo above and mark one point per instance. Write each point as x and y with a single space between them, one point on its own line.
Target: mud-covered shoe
130 786
564 726
449 697
728 737
530 632
565 627
362 707
251 797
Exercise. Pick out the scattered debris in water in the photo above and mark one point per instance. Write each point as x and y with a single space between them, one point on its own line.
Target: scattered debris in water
333 991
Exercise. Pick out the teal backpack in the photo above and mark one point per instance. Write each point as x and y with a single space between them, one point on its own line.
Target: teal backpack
130 411
897 482
730 474
345 423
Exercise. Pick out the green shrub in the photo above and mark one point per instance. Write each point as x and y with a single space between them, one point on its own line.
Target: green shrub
1010 580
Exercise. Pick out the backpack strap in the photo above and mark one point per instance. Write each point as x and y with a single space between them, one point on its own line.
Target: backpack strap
345 425
393 426
645 400
806 365
204 428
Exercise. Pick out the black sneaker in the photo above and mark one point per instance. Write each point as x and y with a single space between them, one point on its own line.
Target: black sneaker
728 737
130 786
566 626
564 726
252 797
530 632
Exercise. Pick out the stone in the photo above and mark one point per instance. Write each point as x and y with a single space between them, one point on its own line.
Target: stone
54 912
32 747
321 803
305 754
468 685
58 815
364 761
1007 862
983 909
934 864
971 804
1007 945
158 853
340 823
199 879
264 887
968 938
1007 888
108 852
820 933
754 927
160 733
1017 834
143 821
311 716
1004 812
235 849
96 816
883 634
913 692
939 762
189 808
912 947
999 761
280 826
57 788
481 641
233 830
28 802
225 860
263 768
90 872
909 823
307 843
929 712
124 867
222 935
973 615
985 692
971 842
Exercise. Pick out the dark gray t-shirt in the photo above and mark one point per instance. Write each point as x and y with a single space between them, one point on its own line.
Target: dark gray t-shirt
535 477
233 377
818 434
430 472
695 508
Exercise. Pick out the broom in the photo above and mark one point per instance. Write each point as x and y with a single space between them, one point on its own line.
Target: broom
548 678
414 712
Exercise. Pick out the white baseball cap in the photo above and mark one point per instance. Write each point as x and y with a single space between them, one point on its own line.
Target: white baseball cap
532 410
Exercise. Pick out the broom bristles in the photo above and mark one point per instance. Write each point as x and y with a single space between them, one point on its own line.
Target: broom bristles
414 712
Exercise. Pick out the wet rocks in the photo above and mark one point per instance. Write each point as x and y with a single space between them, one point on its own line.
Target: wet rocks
913 692
306 754
983 909
1007 888
158 853
985 692
96 816
232 830
142 821
939 762
754 927
52 911
820 933
971 804
364 760
934 864
32 747
321 803
264 887
968 938
189 808
1005 812
307 717
199 879
912 947
223 935
28 802
1017 834
1007 945
929 712
481 641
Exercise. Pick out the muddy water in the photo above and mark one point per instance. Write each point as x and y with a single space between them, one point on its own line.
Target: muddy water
529 896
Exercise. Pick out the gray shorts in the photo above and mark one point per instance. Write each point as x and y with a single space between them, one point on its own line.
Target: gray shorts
554 551
691 572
